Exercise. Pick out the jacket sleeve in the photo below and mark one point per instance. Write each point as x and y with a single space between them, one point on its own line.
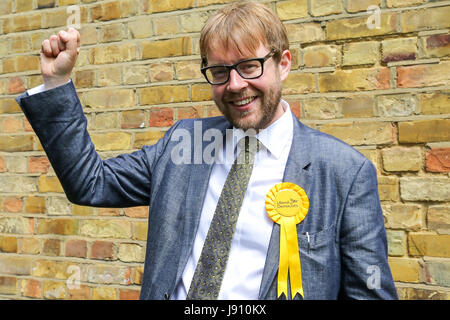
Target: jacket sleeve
57 118
365 273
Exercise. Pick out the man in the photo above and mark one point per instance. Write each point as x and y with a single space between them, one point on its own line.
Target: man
245 57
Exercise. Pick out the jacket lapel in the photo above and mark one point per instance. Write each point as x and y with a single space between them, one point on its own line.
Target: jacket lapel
296 172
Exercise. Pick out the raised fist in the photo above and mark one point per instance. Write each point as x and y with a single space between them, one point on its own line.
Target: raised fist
58 57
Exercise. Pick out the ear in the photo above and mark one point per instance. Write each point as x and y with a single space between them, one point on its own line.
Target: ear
285 64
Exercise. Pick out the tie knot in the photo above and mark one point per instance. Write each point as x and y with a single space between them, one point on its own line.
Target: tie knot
249 147
249 144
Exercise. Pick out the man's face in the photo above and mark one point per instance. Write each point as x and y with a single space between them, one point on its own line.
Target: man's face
250 103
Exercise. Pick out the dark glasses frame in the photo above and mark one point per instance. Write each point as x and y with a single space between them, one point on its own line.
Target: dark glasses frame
234 67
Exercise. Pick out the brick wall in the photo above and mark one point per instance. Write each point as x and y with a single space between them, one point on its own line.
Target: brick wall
379 82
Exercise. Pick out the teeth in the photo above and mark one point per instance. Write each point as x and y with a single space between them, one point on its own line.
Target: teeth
244 102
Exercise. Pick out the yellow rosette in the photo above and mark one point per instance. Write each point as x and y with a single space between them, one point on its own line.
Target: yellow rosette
287 204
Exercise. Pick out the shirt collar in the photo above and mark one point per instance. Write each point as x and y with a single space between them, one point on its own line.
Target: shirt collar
276 136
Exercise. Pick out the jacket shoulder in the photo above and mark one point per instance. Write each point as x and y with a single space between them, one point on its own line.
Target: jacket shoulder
332 151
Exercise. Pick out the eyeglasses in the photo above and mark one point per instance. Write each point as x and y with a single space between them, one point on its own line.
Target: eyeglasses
247 69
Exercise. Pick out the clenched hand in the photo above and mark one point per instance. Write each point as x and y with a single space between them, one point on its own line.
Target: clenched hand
58 57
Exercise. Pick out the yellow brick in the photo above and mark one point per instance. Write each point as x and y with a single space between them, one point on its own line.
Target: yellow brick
201 92
403 216
117 229
106 11
299 83
146 138
6 7
361 133
355 80
425 19
14 143
403 3
8 244
88 35
358 106
30 245
361 5
104 293
111 141
112 32
54 290
325 7
152 6
9 106
359 53
140 230
424 131
423 244
404 269
82 210
402 159
15 265
321 56
56 226
8 285
135 74
163 94
140 28
292 9
305 32
108 120
166 25
130 252
25 22
49 184
193 22
16 225
109 98
55 18
129 8
161 72
166 48
187 70
20 44
202 3
320 108
27 63
357 27
110 76
24 5
113 54
388 188
35 204
399 49
435 103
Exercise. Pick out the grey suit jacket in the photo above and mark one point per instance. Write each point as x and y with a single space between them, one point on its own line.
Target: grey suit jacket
347 254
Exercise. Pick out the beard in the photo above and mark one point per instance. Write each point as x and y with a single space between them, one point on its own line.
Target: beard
259 117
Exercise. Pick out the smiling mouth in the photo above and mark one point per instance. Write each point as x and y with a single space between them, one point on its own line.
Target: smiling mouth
243 102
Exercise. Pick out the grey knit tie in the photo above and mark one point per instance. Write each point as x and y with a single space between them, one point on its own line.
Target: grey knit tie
211 266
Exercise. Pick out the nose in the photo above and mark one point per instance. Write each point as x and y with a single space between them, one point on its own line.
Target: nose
236 82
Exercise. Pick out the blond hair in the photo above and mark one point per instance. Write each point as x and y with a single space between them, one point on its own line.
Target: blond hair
243 26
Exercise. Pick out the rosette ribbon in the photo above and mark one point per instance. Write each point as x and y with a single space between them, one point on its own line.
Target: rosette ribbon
287 204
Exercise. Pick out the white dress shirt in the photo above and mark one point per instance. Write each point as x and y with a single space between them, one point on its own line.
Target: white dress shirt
243 274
